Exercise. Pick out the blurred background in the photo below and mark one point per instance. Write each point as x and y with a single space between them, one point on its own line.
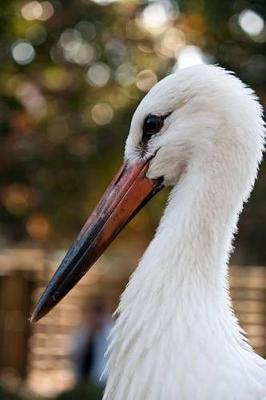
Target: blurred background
71 74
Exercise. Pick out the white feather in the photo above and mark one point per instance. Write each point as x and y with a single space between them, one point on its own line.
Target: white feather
176 336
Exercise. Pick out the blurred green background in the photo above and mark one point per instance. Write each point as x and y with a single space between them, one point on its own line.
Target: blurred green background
71 74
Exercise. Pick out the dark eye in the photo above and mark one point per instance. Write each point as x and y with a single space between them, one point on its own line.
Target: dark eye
152 124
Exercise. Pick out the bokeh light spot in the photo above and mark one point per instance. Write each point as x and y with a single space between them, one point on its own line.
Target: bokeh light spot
31 10
87 29
70 39
251 22
125 74
32 99
102 113
171 42
98 74
47 11
18 198
145 80
82 54
75 49
38 227
36 10
154 16
23 52
85 54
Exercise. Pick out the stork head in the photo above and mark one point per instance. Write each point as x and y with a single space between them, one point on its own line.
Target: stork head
201 118
192 118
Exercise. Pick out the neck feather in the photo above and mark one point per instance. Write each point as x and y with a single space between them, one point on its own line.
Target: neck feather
176 303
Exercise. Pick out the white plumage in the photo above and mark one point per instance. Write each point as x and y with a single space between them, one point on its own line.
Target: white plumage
176 336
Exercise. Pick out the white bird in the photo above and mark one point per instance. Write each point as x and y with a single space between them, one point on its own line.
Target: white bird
176 337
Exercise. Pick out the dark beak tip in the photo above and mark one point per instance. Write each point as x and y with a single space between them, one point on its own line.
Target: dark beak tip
36 315
33 318
44 305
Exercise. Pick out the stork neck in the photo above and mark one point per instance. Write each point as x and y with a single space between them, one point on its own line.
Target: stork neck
194 236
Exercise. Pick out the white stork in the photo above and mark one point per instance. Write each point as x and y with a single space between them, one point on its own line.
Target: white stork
201 131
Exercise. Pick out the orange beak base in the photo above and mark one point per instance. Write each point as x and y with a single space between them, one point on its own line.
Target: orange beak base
126 195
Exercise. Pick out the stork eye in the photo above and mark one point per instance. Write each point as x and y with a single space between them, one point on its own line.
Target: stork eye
152 124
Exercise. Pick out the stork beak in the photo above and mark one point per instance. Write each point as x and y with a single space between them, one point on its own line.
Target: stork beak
126 195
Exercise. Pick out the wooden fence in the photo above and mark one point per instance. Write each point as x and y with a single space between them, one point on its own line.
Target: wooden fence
248 291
